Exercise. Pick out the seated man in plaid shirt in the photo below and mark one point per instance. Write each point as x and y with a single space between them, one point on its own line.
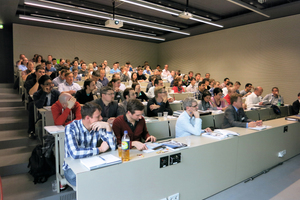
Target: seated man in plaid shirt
82 137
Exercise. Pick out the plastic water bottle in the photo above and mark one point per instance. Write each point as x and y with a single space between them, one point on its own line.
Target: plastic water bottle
279 101
125 147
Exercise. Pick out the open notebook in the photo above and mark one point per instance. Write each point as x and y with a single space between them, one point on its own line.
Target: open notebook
95 162
220 134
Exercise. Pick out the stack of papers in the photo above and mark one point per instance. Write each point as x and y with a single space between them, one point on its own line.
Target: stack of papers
100 161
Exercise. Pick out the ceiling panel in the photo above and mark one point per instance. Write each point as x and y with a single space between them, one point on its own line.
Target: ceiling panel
221 12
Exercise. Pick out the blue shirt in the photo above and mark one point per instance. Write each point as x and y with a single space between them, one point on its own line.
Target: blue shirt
211 90
81 143
79 68
52 69
104 81
22 67
147 72
113 71
187 125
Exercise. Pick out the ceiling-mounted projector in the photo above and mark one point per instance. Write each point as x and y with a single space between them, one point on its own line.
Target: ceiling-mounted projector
112 23
185 15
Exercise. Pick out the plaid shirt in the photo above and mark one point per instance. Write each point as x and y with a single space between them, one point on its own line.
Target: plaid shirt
80 143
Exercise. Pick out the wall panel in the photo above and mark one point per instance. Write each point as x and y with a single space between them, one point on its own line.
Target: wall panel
265 54
89 47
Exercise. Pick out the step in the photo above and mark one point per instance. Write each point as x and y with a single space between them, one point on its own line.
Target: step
15 138
15 155
9 135
9 95
11 102
15 160
6 85
13 123
9 90
13 111
22 187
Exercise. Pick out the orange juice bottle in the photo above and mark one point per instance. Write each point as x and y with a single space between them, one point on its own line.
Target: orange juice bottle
125 147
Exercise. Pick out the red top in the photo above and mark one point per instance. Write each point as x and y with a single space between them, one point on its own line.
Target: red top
60 116
120 125
175 89
227 98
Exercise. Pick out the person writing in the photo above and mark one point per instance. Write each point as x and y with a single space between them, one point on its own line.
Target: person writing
189 122
133 122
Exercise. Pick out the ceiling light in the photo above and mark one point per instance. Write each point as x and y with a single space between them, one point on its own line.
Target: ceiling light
167 10
245 5
80 22
38 19
210 23
102 15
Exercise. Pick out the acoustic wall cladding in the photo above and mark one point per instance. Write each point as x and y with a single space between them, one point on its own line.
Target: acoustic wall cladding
89 47
265 54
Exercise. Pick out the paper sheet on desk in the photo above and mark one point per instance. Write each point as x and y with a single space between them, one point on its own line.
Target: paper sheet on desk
54 129
152 147
176 101
47 108
259 128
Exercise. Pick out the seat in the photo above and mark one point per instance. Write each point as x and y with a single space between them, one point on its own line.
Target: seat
252 114
207 121
284 111
176 106
264 114
218 119
159 129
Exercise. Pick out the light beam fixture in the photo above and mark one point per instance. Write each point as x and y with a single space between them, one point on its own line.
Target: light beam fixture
51 21
167 10
247 6
101 15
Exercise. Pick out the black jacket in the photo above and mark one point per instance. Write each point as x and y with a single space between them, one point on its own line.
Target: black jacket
164 107
295 108
113 109
82 97
40 97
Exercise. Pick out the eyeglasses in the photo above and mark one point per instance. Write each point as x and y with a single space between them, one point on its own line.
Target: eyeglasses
110 93
163 92
195 106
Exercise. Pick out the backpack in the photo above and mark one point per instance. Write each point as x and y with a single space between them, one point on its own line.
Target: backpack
42 162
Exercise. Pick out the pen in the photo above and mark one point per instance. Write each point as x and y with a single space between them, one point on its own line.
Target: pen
102 158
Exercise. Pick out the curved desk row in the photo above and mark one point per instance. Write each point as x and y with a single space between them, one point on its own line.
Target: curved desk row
207 167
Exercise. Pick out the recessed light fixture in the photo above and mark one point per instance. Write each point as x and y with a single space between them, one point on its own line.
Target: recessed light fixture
102 15
51 21
245 5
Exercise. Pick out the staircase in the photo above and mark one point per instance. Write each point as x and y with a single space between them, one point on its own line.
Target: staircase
15 146
15 150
